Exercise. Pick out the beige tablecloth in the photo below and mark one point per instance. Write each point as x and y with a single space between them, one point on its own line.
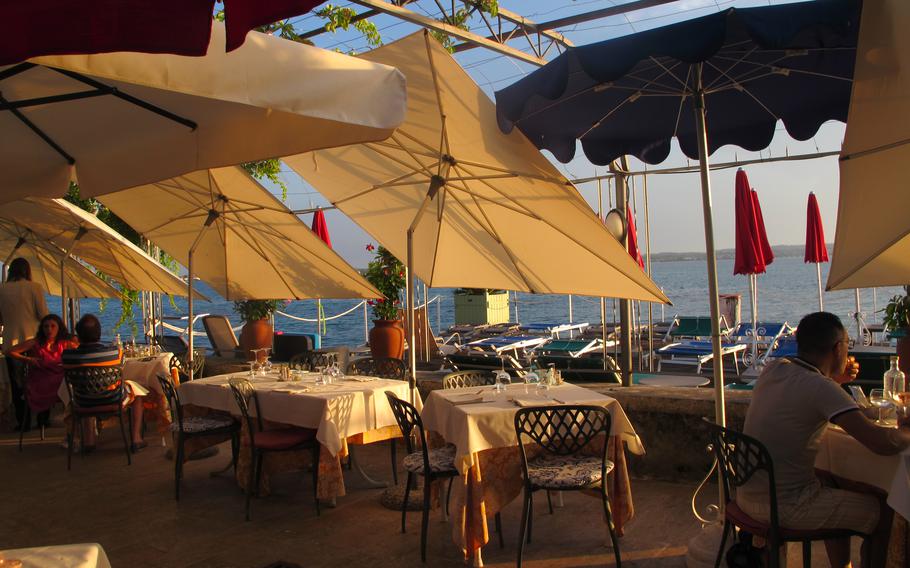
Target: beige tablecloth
338 411
66 556
484 435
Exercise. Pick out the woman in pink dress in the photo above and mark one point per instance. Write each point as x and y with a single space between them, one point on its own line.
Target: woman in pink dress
43 354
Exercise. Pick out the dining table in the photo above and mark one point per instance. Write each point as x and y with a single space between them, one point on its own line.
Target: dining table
479 422
88 555
353 409
843 456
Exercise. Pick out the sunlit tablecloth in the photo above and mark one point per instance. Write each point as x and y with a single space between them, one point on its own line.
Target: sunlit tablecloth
843 456
66 556
354 409
484 435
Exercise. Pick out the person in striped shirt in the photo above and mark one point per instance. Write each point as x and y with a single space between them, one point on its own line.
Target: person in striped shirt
92 352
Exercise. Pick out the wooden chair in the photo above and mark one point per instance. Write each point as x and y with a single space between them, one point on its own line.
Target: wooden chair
189 427
265 441
739 458
561 433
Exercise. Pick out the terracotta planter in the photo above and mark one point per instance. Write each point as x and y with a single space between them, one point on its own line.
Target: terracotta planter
255 334
387 339
903 351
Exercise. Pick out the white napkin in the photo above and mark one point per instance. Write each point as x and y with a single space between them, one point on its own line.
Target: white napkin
361 379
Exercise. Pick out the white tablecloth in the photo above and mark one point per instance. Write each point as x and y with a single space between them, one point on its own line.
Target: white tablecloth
66 556
336 411
842 455
477 427
140 370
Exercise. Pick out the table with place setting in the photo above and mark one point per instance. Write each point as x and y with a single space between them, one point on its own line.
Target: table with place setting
352 409
479 422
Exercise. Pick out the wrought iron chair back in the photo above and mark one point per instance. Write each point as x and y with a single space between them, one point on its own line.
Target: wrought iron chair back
462 379
312 360
562 430
173 399
739 458
384 367
409 420
179 362
244 393
95 385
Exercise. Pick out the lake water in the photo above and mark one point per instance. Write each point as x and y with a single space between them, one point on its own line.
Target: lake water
786 293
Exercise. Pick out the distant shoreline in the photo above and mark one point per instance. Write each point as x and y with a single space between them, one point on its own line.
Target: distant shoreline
780 251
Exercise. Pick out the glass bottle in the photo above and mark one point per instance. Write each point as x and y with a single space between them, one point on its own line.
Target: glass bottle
894 381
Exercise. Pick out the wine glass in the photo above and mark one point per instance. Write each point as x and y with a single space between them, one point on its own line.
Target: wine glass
531 377
878 399
253 363
502 377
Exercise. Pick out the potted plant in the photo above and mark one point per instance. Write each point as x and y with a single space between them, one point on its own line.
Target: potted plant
897 321
386 273
481 305
257 325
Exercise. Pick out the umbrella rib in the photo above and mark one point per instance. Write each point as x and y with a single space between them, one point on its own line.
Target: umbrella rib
725 73
431 152
616 108
669 71
747 92
38 132
682 101
539 177
444 142
402 163
391 183
411 154
517 207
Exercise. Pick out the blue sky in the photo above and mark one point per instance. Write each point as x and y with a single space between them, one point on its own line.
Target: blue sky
675 200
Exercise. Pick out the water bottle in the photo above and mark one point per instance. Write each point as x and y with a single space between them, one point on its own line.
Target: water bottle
118 342
894 381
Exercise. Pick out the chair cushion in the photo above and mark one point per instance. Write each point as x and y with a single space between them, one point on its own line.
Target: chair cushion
199 424
739 518
565 472
442 460
284 439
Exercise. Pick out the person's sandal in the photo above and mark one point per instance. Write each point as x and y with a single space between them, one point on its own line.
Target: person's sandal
137 447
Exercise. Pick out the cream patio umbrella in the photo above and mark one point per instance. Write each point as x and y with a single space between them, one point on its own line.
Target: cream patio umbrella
872 241
237 237
45 258
82 235
465 204
118 120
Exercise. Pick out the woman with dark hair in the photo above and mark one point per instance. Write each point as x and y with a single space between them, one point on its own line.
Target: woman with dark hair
43 355
22 306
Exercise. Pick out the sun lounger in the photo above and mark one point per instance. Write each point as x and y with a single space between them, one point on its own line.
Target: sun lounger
221 336
694 327
504 343
554 329
571 347
697 353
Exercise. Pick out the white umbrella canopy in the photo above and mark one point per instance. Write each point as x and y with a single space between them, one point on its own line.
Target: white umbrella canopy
82 235
486 209
117 120
255 248
872 242
44 259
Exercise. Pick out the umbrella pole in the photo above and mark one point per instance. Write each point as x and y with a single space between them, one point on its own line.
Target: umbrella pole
818 274
701 129
648 249
412 345
570 308
858 316
753 296
189 289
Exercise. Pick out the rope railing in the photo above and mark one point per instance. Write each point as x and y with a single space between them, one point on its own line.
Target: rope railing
319 320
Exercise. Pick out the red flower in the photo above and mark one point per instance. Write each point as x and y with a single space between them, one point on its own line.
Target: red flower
401 273
370 247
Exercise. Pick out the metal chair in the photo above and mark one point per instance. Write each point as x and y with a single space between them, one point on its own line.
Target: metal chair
312 360
383 367
462 379
185 428
740 457
431 464
265 441
96 392
562 433
179 362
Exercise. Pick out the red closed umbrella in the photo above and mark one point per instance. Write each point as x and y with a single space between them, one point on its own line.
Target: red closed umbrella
633 238
816 249
181 27
753 251
322 231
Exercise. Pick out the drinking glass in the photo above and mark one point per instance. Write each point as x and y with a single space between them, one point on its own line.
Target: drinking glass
253 367
531 378
877 398
502 377
321 376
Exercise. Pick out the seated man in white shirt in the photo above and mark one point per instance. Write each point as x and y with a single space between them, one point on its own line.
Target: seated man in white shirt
794 400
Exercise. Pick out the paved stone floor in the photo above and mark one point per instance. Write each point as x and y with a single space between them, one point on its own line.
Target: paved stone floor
131 511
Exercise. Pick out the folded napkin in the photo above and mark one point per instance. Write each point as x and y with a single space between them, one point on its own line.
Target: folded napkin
524 402
467 399
361 379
